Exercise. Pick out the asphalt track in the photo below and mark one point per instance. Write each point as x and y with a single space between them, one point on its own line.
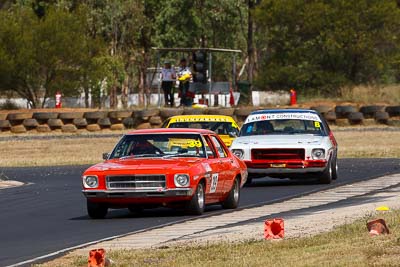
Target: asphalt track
49 214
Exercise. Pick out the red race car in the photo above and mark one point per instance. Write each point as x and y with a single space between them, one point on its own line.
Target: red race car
165 167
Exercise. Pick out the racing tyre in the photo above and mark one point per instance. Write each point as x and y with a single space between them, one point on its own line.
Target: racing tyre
369 111
393 111
232 201
382 117
343 111
326 176
356 117
197 203
335 169
96 210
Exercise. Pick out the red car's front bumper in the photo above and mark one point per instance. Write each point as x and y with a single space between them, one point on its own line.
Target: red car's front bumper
138 196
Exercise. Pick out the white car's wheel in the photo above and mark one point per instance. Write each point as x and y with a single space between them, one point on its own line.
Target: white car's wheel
232 201
335 169
325 177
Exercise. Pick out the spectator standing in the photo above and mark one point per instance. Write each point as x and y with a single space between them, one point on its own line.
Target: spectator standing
168 77
184 76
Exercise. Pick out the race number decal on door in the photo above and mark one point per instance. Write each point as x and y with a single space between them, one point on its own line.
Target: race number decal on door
214 182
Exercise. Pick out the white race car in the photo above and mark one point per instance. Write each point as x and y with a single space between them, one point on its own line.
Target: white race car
287 143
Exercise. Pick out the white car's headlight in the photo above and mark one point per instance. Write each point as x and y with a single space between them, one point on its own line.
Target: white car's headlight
238 153
90 181
181 180
318 153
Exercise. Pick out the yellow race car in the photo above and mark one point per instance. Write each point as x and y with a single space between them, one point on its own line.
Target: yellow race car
224 126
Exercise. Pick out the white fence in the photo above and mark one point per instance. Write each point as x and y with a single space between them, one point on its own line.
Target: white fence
260 98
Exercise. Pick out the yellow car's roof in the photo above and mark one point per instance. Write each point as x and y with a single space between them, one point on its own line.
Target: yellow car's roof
188 118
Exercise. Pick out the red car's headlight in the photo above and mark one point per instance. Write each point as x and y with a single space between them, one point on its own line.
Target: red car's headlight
181 180
90 181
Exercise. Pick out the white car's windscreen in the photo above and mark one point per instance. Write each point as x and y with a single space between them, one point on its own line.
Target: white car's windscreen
282 126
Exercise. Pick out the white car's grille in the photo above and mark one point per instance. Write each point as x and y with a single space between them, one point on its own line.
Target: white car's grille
278 154
147 182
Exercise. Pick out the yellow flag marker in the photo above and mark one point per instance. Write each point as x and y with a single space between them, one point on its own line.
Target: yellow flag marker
382 208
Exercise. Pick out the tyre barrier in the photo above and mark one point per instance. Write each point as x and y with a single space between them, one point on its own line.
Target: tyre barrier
369 111
104 123
355 118
393 111
323 109
155 120
69 128
129 123
4 125
95 115
68 117
169 112
80 123
43 128
116 117
194 111
342 112
117 127
144 125
3 116
54 123
18 129
146 113
330 117
221 111
30 124
43 117
18 118
243 112
381 117
93 127
341 115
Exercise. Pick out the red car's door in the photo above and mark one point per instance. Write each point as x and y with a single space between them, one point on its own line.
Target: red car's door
214 187
227 171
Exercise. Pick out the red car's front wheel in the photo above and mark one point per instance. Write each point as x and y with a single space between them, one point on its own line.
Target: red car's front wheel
197 203
96 210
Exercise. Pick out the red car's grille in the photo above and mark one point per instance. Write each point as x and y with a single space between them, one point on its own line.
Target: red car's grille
278 154
147 182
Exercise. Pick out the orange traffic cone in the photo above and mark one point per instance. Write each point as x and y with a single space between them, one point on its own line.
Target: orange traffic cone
377 227
97 258
274 229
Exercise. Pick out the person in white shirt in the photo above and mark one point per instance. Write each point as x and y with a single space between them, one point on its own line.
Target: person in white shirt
168 77
184 76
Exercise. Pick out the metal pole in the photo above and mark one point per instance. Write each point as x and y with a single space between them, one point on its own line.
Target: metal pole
234 71
159 80
209 76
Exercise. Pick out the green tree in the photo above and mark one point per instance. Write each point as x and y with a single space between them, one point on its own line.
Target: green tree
39 54
324 45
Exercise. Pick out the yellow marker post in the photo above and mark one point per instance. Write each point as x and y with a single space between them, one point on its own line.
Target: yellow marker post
382 208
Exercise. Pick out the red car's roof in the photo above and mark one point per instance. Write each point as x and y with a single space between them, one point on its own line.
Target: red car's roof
171 130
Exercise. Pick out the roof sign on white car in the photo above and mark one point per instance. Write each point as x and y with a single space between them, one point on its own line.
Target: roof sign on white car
283 116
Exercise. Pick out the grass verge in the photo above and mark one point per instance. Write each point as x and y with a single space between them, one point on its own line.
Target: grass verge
352 144
347 245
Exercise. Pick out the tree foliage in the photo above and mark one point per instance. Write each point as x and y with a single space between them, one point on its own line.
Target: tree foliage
40 56
326 44
104 46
